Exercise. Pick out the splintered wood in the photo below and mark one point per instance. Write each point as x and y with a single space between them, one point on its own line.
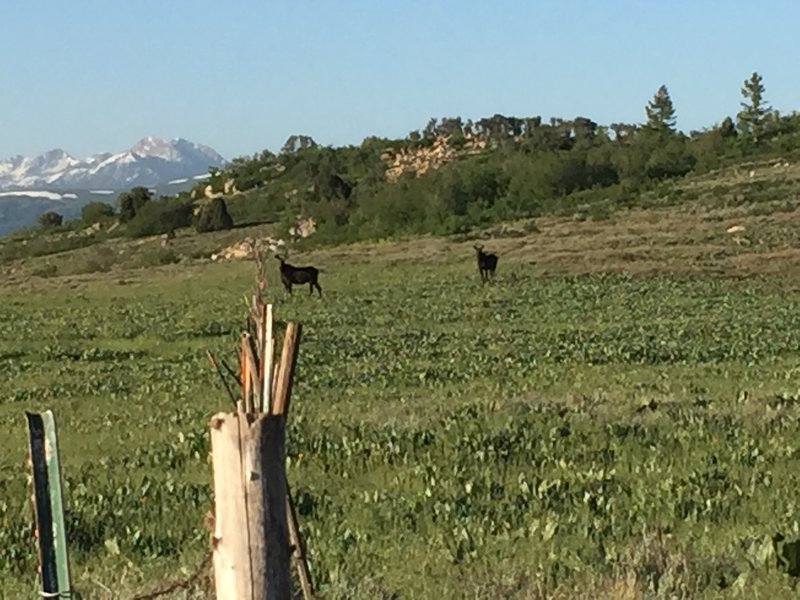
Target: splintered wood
231 543
256 353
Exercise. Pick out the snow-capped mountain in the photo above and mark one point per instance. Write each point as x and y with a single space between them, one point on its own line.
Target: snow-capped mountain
150 161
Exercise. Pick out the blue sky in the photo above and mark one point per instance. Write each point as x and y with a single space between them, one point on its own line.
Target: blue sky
91 76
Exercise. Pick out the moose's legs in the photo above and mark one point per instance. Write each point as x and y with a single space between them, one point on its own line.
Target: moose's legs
313 284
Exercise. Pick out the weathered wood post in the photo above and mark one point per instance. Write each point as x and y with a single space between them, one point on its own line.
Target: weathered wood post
251 551
264 460
48 506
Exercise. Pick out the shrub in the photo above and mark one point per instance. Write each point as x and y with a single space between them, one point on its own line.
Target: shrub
96 211
161 216
99 260
255 207
156 257
50 219
130 203
213 217
45 270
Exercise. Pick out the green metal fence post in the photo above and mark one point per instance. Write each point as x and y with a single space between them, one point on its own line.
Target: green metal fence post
48 505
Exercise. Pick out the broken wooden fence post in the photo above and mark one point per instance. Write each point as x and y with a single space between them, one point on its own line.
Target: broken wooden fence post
251 553
254 517
48 506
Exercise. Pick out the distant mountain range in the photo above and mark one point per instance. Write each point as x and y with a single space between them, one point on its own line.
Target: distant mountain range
57 181
150 161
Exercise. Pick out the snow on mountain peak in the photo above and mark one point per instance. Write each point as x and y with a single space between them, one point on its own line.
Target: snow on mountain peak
150 161
52 161
152 146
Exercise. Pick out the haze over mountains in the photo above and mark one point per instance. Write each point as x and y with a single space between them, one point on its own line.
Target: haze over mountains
149 162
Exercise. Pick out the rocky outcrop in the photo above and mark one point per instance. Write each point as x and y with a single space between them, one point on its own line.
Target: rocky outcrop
246 248
420 160
737 235
229 187
303 227
209 193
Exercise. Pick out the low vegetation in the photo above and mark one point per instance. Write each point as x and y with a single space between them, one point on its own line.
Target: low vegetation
619 428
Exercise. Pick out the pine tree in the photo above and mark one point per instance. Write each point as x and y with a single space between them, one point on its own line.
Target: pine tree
660 112
130 203
752 118
727 128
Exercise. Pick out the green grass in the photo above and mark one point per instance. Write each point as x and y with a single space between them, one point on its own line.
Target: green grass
566 436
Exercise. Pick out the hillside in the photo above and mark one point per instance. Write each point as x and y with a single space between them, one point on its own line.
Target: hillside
455 176
20 209
681 227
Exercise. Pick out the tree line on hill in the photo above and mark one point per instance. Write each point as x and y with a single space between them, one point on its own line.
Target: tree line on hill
527 167
142 215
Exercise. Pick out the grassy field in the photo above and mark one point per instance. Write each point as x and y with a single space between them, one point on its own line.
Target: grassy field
616 415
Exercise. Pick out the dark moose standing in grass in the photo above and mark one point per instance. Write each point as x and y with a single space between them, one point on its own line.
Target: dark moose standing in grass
487 263
299 275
